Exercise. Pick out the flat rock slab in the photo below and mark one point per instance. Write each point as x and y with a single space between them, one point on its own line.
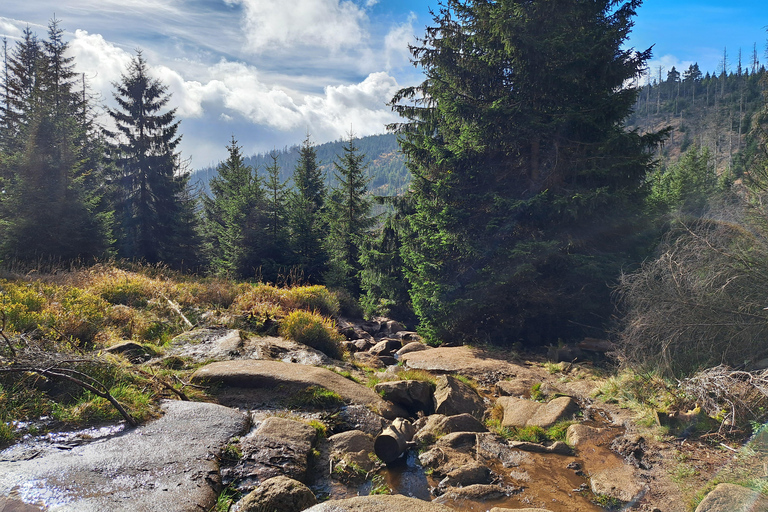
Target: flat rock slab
392 503
269 375
733 498
469 361
168 464
519 412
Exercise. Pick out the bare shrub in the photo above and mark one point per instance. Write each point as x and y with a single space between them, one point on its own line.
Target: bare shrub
733 396
702 301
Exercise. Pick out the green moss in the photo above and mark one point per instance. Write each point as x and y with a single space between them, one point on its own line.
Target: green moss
315 396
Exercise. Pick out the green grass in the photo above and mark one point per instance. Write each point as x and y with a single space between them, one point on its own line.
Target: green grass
536 393
315 396
313 330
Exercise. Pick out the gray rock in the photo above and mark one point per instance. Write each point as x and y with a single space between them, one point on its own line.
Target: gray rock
353 447
578 435
413 346
359 417
379 503
619 482
168 464
733 498
278 447
412 395
386 347
497 509
558 447
278 493
559 409
368 359
517 387
269 375
467 475
438 425
409 336
209 343
134 352
476 492
519 412
453 397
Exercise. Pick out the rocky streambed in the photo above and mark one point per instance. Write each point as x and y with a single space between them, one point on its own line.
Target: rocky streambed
295 430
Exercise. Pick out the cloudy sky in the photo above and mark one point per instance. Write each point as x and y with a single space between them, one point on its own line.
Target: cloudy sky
270 71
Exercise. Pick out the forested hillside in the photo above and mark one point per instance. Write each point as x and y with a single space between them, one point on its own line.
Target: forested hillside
711 109
385 164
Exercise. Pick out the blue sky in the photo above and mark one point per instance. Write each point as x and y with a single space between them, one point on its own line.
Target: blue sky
270 71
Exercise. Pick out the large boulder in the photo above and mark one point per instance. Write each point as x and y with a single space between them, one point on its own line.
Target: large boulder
379 503
386 347
413 346
437 425
267 376
619 482
519 412
207 343
470 361
278 493
733 498
412 395
353 449
278 447
168 464
452 397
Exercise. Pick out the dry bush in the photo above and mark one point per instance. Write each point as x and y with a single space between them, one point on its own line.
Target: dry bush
703 301
734 397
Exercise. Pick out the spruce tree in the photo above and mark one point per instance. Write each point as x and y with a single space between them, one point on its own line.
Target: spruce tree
51 209
306 203
524 177
277 250
349 220
234 220
152 217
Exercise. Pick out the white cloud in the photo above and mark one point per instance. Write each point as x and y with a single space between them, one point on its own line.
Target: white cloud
666 63
396 43
328 24
9 29
102 62
361 108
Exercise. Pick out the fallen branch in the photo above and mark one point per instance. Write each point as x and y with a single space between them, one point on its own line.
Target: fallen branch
62 374
165 384
7 341
177 310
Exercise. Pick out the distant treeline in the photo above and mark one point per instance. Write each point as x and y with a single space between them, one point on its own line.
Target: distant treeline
383 160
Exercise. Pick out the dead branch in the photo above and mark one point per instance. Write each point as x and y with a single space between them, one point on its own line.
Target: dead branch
7 341
164 384
64 374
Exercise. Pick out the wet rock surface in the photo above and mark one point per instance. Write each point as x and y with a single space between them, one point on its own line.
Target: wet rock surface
169 464
278 447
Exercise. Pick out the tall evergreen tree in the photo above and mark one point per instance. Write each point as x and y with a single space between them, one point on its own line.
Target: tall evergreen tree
234 220
306 204
349 220
277 250
152 219
50 211
523 173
